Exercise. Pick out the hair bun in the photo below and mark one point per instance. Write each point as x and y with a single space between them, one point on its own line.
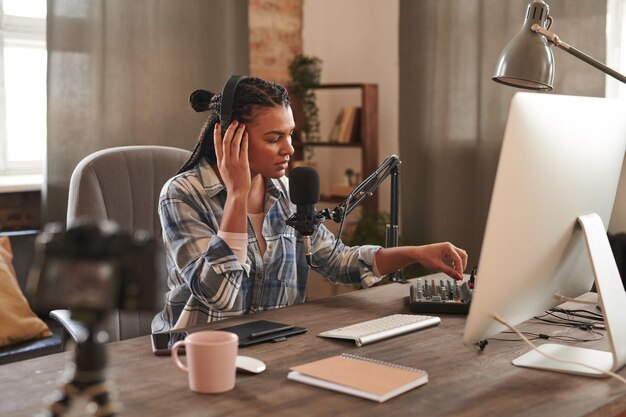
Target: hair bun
200 100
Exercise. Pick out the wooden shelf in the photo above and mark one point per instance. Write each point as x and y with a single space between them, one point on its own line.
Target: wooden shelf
332 198
330 144
367 133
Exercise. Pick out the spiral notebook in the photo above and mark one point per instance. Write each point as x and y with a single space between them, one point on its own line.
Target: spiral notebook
359 376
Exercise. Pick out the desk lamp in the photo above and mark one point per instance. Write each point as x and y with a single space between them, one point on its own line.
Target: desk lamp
527 60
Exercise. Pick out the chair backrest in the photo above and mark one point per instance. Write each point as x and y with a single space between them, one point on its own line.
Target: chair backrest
123 185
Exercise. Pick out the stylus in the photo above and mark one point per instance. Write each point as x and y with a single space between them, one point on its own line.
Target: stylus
270 331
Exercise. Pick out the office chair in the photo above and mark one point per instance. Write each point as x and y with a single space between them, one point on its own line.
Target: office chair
122 184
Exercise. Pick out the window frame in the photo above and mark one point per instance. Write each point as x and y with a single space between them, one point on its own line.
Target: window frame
23 32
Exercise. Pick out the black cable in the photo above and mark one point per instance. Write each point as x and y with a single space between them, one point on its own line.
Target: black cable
586 314
564 321
562 338
585 326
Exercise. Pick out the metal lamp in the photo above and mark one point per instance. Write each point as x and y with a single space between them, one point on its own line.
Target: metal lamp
527 61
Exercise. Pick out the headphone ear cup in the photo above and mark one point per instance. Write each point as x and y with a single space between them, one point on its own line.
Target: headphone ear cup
228 101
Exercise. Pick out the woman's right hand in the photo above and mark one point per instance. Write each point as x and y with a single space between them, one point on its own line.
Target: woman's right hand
232 158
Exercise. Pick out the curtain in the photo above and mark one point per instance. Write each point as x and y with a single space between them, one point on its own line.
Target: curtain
616 46
616 59
452 115
120 73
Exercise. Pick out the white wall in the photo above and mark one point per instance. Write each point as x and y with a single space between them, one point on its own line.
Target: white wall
357 41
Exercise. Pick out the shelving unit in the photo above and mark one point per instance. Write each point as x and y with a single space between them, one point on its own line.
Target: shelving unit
367 134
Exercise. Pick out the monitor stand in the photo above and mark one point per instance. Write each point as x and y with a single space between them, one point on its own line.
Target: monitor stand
612 300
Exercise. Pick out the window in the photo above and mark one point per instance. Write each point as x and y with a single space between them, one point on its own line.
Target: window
23 125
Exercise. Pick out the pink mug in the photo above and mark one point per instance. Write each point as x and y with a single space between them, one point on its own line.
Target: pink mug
211 360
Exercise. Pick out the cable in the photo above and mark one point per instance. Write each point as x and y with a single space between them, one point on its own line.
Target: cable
585 325
554 358
578 313
566 310
585 314
562 338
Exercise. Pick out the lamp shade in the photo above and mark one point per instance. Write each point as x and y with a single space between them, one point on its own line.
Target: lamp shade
527 60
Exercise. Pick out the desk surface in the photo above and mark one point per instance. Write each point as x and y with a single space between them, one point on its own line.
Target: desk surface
463 381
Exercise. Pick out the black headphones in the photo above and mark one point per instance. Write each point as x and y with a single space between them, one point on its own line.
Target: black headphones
226 111
228 100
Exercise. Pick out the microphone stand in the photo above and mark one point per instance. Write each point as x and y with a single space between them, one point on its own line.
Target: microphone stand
389 167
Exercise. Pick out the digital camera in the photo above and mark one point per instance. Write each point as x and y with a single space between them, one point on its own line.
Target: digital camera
93 267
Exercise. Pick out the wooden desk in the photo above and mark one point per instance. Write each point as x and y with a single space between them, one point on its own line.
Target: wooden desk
463 381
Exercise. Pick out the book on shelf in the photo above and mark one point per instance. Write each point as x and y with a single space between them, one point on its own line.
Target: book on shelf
355 133
359 376
334 131
346 126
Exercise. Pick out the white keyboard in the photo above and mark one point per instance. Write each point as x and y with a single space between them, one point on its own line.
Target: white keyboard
382 328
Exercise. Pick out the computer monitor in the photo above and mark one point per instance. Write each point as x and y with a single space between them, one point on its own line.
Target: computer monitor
561 158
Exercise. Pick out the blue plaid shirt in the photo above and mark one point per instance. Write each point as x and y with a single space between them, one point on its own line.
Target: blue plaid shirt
207 282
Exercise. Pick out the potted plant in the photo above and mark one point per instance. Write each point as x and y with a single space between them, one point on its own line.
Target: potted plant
370 229
305 74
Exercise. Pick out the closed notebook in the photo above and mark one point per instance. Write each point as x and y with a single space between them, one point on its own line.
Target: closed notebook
362 377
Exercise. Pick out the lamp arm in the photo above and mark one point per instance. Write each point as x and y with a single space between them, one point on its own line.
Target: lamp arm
552 37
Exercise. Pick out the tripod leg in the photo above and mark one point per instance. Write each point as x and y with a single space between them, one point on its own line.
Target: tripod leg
99 394
63 400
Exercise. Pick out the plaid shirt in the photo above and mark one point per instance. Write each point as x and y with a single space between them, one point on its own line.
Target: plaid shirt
207 282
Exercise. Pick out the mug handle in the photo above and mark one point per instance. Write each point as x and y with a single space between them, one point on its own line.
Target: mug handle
177 361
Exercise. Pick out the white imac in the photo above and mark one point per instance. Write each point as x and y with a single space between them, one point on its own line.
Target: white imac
545 237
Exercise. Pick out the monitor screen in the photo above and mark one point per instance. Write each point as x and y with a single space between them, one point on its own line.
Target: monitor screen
561 158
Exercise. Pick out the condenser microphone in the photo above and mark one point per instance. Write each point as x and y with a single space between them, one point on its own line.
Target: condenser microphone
304 192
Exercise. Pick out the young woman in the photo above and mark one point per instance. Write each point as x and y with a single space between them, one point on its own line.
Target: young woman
229 251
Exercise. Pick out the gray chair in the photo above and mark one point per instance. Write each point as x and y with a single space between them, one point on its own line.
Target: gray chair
122 185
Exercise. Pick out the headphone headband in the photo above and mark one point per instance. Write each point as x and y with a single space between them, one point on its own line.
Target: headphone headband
228 100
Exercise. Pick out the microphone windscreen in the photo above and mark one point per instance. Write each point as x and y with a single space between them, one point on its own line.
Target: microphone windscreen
304 186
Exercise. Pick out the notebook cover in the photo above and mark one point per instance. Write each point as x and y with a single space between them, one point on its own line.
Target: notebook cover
360 376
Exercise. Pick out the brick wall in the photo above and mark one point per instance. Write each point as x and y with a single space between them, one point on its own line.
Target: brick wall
275 37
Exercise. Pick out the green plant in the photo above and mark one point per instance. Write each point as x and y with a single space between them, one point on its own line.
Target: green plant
305 74
370 229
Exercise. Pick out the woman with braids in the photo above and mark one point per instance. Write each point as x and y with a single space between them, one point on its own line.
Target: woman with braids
223 215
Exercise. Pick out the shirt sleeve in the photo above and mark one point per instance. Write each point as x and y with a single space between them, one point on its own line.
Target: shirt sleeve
203 259
348 264
237 242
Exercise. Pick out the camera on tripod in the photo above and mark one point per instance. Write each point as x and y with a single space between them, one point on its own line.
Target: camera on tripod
93 268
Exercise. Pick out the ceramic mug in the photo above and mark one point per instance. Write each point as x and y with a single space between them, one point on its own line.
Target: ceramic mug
211 360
